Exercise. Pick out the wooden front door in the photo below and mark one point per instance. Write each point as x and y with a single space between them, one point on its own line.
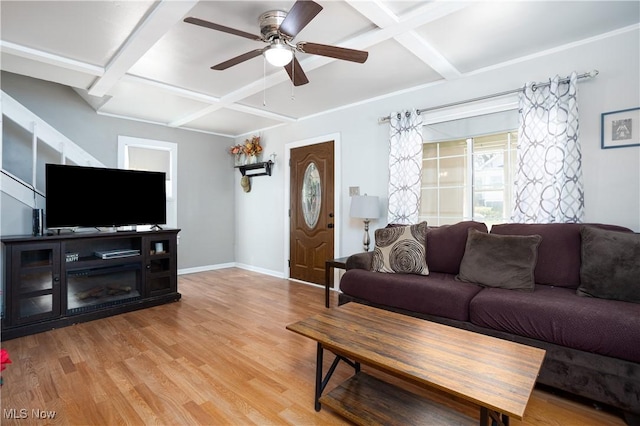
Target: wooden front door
312 217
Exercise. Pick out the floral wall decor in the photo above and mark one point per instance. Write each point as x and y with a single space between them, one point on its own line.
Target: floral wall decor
237 151
247 152
252 148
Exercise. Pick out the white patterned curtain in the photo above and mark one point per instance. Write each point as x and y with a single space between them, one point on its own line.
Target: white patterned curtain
405 167
548 187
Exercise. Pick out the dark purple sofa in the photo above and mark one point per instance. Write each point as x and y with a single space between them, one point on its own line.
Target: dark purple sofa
592 344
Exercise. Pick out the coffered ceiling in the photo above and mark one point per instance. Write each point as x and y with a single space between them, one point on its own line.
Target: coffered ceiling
140 60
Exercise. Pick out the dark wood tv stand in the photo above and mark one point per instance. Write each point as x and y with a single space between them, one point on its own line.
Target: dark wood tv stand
57 280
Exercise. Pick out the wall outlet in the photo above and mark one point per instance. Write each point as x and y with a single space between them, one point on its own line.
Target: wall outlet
354 190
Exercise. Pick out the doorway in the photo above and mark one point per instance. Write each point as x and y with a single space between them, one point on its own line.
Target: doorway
312 210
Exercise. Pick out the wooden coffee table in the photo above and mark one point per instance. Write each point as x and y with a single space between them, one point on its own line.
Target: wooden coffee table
498 375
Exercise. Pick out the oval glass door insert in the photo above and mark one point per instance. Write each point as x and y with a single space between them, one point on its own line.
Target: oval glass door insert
311 195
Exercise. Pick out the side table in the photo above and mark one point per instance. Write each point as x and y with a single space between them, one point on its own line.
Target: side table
340 263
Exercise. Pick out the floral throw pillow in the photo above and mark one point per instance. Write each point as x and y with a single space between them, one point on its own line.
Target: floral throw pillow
401 250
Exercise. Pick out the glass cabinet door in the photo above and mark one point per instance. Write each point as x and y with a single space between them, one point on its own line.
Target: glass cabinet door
36 282
160 262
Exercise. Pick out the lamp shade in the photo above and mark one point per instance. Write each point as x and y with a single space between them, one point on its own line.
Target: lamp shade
365 207
278 54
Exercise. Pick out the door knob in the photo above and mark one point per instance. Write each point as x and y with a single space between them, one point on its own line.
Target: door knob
330 226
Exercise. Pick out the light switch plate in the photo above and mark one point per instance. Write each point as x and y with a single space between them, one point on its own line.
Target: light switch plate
354 190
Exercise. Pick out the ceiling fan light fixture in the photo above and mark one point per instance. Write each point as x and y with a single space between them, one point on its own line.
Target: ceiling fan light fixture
278 54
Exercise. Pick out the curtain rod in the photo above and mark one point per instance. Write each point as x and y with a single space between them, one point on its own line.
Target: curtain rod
589 74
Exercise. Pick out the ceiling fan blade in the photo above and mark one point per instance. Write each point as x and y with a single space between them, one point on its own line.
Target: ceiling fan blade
237 60
296 73
211 25
336 52
302 12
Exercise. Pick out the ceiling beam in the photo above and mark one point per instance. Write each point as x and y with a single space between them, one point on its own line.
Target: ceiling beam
261 113
175 90
402 30
49 58
155 25
428 54
194 115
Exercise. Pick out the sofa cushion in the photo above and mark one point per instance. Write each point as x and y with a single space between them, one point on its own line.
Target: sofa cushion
610 266
559 251
557 315
505 261
401 250
437 294
446 244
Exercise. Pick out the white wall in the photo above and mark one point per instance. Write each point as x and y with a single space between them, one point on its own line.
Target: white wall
205 174
611 177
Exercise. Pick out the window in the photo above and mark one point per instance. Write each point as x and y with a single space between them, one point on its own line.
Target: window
469 178
150 159
152 155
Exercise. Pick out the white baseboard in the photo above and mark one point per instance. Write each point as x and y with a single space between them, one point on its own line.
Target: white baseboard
276 274
197 269
206 268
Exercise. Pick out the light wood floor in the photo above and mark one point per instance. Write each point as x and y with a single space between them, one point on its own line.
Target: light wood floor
220 356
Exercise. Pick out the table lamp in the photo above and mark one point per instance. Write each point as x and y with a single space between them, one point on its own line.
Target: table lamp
365 207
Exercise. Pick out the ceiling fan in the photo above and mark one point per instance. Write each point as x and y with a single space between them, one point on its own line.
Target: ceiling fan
278 29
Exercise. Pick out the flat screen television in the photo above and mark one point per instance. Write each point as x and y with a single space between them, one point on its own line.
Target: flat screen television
101 197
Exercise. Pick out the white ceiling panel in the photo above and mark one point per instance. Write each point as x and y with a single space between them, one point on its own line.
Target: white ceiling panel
89 31
229 122
487 33
400 8
148 103
185 55
140 60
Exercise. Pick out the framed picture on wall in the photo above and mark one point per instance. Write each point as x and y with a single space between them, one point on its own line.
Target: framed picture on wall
620 129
